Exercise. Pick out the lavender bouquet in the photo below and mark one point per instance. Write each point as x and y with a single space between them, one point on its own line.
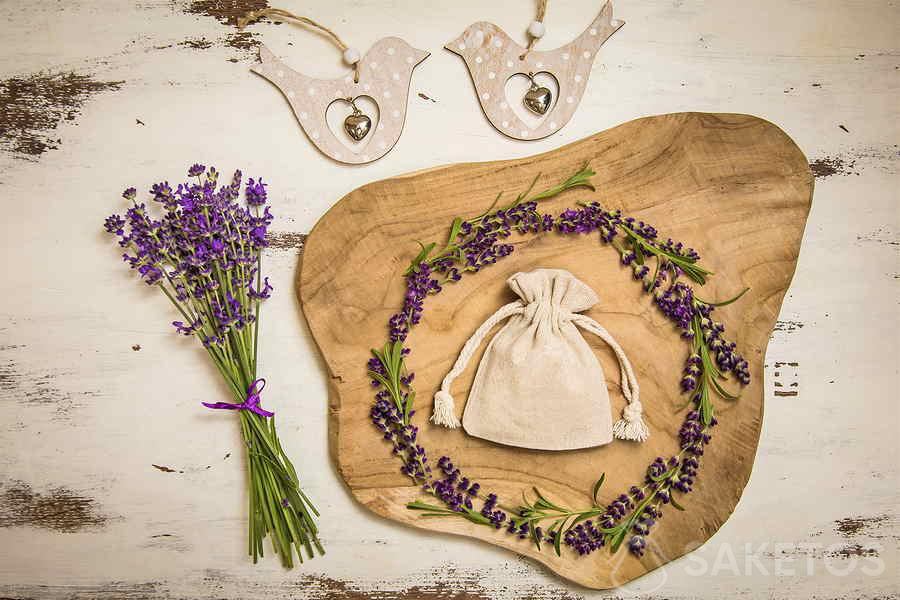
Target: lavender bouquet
204 254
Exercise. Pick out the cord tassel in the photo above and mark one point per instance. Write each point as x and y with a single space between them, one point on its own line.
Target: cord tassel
444 410
631 426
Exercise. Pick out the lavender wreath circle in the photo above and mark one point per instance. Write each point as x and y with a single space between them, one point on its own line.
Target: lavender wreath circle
478 242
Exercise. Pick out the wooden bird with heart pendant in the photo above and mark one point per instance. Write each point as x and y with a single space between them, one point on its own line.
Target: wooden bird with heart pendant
492 58
383 76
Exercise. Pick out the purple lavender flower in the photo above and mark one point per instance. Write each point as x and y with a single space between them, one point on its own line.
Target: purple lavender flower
115 224
203 231
419 284
678 249
636 545
187 329
677 304
584 538
727 359
262 294
547 223
495 516
255 192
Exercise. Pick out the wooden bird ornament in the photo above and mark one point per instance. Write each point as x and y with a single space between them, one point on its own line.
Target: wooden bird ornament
382 76
493 58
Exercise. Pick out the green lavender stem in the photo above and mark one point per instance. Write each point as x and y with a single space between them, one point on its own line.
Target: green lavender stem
201 253
452 247
277 506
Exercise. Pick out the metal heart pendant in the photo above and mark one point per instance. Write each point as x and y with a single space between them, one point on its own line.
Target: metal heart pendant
537 99
357 125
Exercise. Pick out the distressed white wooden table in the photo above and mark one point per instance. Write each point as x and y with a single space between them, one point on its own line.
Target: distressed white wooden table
114 483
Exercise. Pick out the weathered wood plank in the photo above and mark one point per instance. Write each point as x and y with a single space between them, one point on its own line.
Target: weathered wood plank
69 312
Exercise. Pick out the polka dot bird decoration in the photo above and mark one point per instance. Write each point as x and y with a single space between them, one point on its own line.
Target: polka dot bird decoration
493 58
382 75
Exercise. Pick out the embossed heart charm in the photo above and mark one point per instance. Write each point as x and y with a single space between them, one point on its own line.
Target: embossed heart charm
357 125
537 99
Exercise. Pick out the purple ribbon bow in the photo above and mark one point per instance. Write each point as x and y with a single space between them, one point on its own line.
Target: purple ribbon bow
251 403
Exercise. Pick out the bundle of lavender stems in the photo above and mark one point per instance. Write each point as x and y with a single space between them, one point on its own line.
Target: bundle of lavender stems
204 254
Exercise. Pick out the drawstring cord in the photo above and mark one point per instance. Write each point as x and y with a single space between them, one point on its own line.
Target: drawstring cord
444 405
631 426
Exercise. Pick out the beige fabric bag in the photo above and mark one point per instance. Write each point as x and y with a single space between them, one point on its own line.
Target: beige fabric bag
539 385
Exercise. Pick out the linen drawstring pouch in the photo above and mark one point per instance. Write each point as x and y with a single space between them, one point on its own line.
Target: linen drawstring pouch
539 384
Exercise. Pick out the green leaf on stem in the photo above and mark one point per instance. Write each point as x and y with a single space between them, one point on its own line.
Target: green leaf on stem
596 488
546 502
454 231
396 357
579 179
419 505
407 407
420 257
638 251
477 219
720 390
655 274
617 540
726 302
534 536
557 539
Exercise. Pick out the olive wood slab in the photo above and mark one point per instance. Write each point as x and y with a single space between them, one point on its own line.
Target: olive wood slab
735 187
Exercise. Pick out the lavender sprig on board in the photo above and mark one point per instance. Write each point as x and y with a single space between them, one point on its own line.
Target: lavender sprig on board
204 254
478 242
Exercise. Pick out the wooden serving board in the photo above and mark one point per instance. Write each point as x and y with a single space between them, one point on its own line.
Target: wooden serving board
735 187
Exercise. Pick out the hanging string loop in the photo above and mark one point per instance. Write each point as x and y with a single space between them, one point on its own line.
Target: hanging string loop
350 55
536 29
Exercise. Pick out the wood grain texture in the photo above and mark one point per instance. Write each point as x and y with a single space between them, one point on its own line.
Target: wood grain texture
734 187
492 58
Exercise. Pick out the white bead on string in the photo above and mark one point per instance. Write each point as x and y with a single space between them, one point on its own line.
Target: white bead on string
536 29
351 56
